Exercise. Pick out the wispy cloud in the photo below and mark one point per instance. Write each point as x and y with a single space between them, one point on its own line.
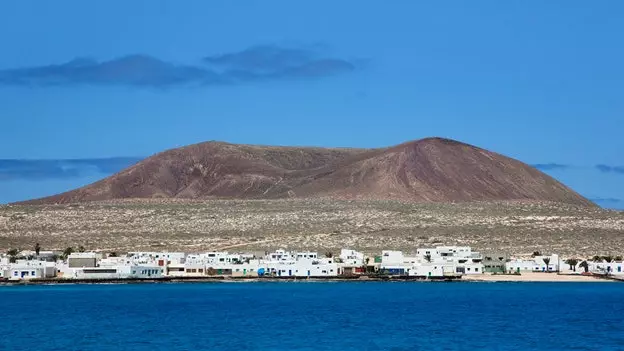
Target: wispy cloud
274 62
610 200
564 167
17 169
610 169
551 166
137 70
253 64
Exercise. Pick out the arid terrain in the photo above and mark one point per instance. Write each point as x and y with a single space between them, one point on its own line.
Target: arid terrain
220 196
258 225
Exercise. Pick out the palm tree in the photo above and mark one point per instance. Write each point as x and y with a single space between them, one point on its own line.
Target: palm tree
68 251
81 248
597 258
546 261
572 262
112 254
12 255
37 249
329 254
585 266
365 265
428 258
536 253
618 258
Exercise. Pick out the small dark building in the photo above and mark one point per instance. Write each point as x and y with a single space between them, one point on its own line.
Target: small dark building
494 262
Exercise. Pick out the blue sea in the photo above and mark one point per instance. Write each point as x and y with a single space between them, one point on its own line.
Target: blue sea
314 316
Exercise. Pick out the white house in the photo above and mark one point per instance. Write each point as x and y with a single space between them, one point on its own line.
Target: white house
428 263
302 268
29 269
434 270
281 255
462 257
604 267
115 270
282 263
394 262
351 258
111 268
162 259
535 264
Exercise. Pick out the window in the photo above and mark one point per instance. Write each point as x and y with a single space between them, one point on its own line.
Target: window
32 273
468 269
476 269
15 274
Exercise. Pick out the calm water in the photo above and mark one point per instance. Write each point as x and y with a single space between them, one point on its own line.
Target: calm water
314 316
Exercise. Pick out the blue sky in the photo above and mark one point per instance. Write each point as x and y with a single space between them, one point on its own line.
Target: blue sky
537 81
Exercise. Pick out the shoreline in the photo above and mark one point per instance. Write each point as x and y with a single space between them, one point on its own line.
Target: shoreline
491 278
531 277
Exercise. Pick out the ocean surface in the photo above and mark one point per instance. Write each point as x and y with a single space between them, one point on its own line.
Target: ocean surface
314 316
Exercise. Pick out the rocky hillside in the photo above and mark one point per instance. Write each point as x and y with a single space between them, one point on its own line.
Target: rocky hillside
427 170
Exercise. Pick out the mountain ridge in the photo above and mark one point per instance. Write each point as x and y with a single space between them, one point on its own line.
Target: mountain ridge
426 170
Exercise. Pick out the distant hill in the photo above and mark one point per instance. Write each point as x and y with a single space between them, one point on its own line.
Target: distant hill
426 170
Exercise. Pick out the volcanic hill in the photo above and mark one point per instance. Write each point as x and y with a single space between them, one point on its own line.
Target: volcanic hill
426 170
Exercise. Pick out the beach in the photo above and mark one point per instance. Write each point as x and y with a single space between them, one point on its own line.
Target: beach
535 277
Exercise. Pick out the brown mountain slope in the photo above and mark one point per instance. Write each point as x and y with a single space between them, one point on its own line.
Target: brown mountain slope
427 170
